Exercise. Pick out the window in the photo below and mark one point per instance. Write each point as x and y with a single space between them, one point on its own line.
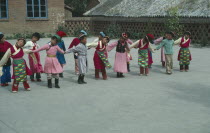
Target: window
36 9
3 9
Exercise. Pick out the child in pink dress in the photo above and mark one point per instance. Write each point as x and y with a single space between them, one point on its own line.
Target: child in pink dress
157 42
52 67
121 57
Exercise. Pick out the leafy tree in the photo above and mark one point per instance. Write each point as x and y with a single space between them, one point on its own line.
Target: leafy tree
79 6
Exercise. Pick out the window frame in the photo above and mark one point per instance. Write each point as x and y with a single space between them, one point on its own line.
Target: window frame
7 14
46 6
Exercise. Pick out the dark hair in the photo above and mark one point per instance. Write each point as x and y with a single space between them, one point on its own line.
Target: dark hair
24 40
54 38
107 38
128 33
82 37
171 33
150 39
187 33
37 35
1 36
146 39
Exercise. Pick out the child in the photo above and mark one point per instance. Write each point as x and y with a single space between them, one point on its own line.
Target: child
20 69
74 43
4 46
143 60
100 57
60 56
81 49
121 58
52 67
128 53
157 42
168 50
34 58
184 56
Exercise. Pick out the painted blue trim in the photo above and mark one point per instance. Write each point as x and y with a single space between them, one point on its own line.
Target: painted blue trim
6 11
39 4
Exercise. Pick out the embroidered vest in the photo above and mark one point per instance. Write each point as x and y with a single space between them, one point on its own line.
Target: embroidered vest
121 48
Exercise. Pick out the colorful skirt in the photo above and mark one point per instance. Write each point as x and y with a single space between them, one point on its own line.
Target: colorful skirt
143 58
184 56
104 59
150 59
19 68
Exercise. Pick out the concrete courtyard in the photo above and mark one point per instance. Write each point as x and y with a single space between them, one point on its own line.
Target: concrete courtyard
158 103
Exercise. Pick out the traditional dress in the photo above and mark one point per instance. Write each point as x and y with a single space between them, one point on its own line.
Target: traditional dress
143 58
52 67
81 49
184 56
20 69
34 61
157 42
150 59
121 57
129 55
6 77
100 59
60 56
74 43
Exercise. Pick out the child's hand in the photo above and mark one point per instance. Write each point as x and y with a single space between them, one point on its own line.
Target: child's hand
31 52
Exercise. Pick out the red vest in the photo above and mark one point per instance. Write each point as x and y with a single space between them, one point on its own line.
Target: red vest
185 45
145 47
101 47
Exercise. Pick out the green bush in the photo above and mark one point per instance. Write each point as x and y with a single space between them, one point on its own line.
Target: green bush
62 28
113 30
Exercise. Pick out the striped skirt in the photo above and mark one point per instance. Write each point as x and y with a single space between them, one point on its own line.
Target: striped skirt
184 56
19 67
143 58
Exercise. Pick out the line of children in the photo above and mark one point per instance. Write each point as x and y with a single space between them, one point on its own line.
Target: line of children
34 58
59 55
81 49
54 62
52 67
6 76
74 43
20 68
143 59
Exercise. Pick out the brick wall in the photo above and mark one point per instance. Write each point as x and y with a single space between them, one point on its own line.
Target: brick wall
18 22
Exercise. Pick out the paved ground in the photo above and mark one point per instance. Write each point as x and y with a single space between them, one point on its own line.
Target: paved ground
159 103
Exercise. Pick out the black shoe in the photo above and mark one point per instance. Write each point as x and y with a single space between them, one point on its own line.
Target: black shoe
128 67
118 75
80 79
61 75
83 76
49 83
57 83
121 75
